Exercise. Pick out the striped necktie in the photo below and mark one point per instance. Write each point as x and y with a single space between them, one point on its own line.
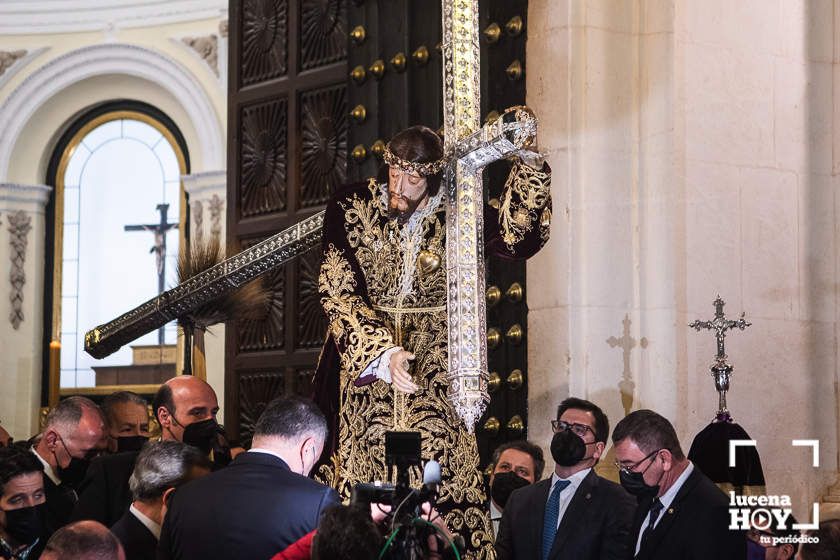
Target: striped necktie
552 515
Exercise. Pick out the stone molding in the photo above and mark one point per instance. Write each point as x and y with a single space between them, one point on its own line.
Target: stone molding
20 224
112 58
61 16
24 197
207 47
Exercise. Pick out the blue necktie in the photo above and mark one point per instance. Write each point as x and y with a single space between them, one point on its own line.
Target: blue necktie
552 514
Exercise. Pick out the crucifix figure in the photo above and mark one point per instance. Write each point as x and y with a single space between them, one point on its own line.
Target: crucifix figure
159 249
720 369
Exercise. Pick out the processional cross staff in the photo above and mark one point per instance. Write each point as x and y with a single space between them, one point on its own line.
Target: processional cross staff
720 369
469 148
159 248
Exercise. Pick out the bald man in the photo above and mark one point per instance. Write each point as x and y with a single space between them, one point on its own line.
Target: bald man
74 433
85 539
186 408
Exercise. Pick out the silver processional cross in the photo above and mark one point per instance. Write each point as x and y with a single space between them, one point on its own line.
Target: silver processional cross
470 150
720 369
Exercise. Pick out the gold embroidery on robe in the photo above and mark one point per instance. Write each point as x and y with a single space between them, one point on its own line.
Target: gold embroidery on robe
363 282
527 192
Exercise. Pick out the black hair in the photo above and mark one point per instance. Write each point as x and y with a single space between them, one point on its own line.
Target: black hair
650 432
15 461
524 446
291 417
418 144
346 533
602 423
163 398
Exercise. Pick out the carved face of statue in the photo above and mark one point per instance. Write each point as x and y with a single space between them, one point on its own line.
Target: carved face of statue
407 192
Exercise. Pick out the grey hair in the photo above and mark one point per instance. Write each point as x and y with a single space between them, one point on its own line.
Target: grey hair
120 397
162 465
68 413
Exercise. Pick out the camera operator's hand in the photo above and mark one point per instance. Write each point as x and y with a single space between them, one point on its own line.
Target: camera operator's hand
431 515
379 512
400 377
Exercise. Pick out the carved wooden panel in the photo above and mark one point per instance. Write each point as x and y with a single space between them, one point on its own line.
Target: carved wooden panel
323 122
311 320
323 32
303 381
264 38
256 390
268 331
263 157
287 149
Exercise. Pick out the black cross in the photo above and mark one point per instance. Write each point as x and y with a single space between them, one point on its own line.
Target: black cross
159 248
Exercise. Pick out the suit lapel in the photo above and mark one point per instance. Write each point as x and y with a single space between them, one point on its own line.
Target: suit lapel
668 516
577 508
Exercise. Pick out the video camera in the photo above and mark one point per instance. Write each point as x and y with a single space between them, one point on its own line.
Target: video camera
409 532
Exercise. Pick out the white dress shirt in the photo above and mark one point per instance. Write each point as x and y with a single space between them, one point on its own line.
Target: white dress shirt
48 470
667 499
568 492
495 517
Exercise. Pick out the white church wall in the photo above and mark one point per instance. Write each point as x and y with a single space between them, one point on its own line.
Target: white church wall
692 146
78 62
21 250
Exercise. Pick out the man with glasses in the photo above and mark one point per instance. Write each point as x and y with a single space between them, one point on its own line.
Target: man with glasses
73 435
576 514
681 514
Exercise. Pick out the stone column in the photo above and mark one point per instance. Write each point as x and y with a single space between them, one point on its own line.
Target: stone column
604 285
206 195
21 305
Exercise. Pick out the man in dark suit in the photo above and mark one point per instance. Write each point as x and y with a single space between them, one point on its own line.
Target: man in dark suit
681 514
74 432
263 502
576 514
161 467
104 494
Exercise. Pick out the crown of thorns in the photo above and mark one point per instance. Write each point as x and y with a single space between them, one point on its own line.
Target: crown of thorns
422 169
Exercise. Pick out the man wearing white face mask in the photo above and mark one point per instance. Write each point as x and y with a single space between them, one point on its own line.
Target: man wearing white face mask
262 499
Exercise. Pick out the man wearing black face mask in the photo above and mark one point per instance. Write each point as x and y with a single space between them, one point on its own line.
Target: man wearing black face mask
128 421
74 434
186 408
681 514
576 514
22 532
515 464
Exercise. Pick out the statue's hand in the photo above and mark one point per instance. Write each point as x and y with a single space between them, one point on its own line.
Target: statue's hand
400 377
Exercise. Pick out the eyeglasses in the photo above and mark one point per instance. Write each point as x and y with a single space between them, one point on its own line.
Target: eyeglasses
578 429
627 469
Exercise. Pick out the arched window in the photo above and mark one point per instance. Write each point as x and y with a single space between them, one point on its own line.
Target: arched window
117 209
